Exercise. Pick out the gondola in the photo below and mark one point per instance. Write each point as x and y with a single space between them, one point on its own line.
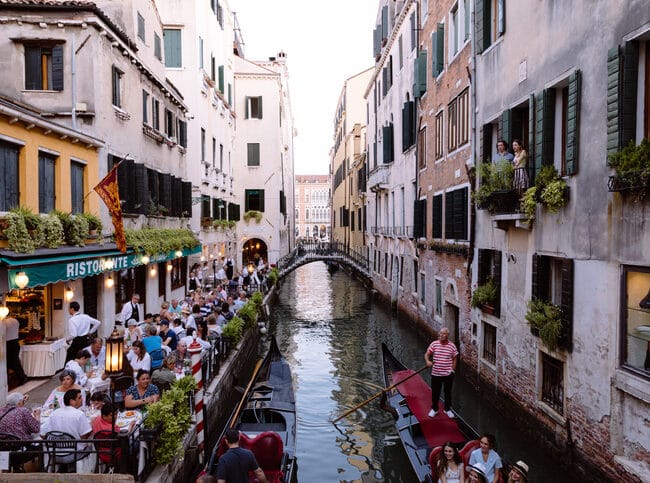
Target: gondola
332 266
266 419
422 436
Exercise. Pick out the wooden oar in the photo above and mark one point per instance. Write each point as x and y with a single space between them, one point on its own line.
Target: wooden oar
248 388
372 398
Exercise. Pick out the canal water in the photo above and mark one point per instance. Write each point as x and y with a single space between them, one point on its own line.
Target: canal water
331 328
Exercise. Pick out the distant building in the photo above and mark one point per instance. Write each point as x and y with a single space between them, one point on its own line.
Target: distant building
313 208
349 165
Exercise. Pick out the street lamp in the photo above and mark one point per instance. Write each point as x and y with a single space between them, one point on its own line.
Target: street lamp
114 348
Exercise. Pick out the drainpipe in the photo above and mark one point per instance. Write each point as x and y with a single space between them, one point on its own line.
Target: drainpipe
73 69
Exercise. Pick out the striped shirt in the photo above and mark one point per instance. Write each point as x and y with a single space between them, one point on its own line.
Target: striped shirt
443 357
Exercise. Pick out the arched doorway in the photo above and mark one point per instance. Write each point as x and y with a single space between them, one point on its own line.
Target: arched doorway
252 250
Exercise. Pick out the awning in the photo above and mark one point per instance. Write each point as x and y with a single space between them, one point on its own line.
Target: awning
70 263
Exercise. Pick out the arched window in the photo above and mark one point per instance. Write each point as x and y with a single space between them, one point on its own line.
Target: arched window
307 214
315 231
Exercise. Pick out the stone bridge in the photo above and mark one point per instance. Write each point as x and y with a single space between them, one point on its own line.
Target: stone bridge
331 253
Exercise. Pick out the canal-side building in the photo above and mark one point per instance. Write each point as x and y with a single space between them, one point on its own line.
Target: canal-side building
312 212
198 41
391 163
348 164
140 117
571 94
444 156
264 163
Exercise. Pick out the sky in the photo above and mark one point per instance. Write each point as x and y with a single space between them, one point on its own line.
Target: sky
325 43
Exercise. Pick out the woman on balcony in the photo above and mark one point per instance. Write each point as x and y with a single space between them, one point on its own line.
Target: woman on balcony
520 163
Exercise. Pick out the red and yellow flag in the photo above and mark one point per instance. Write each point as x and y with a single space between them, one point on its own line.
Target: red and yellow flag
109 192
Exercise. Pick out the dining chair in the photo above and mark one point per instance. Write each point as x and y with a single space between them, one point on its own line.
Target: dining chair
62 450
108 450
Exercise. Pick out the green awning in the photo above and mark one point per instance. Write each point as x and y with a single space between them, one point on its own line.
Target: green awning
43 270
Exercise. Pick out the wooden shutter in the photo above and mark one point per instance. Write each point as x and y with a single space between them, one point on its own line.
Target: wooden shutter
544 128
186 193
33 78
247 108
173 49
177 196
141 189
629 80
215 209
531 132
482 18
460 207
46 187
419 218
438 50
57 68
495 272
422 72
384 22
9 175
436 210
505 126
205 206
566 304
153 187
259 107
253 154
261 198
123 178
486 143
484 260
613 73
540 276
376 42
449 215
573 123
408 131
220 76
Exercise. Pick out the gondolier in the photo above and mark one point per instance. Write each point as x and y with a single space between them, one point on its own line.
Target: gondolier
80 327
441 356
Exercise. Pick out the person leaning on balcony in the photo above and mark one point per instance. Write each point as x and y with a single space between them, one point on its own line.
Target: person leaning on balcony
502 152
520 162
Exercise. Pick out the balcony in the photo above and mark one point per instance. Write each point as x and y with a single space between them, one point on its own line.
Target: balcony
378 178
501 194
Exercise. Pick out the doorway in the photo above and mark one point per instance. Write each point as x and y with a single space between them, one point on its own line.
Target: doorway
253 250
452 322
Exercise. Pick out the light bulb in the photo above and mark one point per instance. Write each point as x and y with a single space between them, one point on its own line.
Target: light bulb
110 282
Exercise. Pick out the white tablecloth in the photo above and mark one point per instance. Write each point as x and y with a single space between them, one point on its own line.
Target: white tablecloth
45 359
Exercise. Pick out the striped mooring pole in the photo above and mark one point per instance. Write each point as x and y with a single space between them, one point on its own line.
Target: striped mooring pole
195 353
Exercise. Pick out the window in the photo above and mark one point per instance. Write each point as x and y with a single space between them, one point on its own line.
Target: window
253 150
46 186
401 52
157 50
438 308
77 187
553 383
117 75
454 34
140 27
220 79
173 48
635 319
386 265
387 144
456 214
155 113
489 343
221 157
458 122
254 107
420 218
203 145
214 153
423 292
145 107
170 123
307 214
182 133
552 281
439 148
179 272
437 217
489 269
9 175
452 125
254 200
490 22
43 67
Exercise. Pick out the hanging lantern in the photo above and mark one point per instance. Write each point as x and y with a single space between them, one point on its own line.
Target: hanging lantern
21 280
145 259
4 311
114 348
68 294
110 282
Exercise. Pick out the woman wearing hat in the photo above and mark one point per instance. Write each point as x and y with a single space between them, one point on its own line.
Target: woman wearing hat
518 472
477 473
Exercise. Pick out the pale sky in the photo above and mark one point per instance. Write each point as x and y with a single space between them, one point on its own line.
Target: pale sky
325 43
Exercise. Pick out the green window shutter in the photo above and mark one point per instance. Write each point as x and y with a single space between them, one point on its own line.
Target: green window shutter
479 13
460 213
230 96
247 113
420 74
384 22
544 128
437 216
566 304
215 209
57 68
261 195
391 143
376 42
613 72
173 50
531 129
33 79
434 55
505 126
221 78
486 143
449 215
253 154
628 90
573 123
440 46
418 206
501 17
540 277
259 107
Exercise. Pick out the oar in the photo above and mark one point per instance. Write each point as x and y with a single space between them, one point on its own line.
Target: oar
372 398
243 398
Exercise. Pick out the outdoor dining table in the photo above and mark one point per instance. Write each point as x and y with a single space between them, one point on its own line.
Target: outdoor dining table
122 422
43 359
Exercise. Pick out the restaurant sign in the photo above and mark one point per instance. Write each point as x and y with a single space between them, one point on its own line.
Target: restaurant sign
43 272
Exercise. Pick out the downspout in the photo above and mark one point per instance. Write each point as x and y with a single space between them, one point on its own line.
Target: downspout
73 71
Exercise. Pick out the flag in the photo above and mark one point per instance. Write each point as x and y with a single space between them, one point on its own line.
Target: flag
109 192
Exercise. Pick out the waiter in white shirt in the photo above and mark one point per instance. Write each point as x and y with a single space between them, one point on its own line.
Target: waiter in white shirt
80 326
12 327
131 310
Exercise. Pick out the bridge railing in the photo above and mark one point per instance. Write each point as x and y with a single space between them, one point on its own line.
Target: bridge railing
335 250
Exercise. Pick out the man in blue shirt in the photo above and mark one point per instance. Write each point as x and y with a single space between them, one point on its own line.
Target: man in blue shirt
235 463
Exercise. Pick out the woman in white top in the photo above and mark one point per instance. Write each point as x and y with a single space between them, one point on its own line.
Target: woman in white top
449 466
138 357
133 333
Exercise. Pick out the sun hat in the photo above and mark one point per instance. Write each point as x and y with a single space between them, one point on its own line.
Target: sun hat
479 468
131 322
521 468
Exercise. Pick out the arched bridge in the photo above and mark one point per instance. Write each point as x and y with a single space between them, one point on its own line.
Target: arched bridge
335 252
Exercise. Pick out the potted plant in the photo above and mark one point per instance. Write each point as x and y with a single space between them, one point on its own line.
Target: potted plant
632 166
496 178
484 296
95 225
50 232
550 190
545 318
529 203
248 215
17 234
